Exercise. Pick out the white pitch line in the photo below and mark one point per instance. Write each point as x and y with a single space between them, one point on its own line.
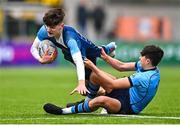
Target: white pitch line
148 117
116 115
20 119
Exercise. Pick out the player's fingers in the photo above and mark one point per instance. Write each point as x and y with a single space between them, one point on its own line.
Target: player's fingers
53 54
86 59
86 62
75 90
71 93
83 92
56 51
45 58
87 91
80 92
103 52
46 53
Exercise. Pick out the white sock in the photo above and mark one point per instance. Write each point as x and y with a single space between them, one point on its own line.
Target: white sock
67 110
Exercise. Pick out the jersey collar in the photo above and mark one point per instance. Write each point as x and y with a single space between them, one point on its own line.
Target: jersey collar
142 70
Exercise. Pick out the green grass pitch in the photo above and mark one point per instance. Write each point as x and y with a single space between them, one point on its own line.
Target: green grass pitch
23 91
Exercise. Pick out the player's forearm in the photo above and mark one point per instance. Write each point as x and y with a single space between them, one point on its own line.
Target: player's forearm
77 58
35 53
34 49
118 65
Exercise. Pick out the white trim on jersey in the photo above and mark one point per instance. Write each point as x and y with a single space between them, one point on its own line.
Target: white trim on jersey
61 41
77 58
34 48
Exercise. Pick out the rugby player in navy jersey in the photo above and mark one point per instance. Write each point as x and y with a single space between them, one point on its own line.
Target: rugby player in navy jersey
74 46
128 95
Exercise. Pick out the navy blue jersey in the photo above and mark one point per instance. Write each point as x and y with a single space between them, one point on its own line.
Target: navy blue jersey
73 42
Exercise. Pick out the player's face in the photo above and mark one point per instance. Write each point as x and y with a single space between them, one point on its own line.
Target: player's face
144 61
55 31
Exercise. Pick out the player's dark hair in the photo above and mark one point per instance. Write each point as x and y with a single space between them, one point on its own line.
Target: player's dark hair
53 17
154 53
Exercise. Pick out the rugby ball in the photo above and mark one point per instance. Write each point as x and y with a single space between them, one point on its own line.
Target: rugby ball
47 45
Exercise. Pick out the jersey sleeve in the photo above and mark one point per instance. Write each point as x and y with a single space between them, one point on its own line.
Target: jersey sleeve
73 46
139 79
34 49
135 79
42 33
77 58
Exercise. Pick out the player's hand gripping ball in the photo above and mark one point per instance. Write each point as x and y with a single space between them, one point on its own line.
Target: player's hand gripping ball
48 51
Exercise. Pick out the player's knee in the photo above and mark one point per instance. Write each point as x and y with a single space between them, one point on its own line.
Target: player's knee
101 101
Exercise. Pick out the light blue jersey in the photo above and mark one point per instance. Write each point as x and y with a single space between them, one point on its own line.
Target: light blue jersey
144 86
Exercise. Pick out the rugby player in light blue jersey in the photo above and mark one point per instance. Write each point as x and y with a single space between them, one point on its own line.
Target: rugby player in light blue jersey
128 95
74 46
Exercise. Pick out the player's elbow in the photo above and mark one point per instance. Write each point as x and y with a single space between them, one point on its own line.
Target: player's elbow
111 84
122 68
115 84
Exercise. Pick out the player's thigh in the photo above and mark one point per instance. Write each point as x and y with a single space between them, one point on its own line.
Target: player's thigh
111 76
102 82
96 79
111 104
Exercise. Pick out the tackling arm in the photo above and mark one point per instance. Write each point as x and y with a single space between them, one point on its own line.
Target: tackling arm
116 64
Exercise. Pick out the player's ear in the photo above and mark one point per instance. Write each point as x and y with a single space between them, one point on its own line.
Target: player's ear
62 25
148 60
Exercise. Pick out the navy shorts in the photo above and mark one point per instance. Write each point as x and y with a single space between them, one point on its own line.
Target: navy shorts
87 70
123 96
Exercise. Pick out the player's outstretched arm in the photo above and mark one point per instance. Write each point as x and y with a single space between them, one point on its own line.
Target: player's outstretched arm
116 64
77 58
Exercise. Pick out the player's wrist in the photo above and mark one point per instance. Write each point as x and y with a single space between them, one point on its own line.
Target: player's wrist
40 60
106 58
81 82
